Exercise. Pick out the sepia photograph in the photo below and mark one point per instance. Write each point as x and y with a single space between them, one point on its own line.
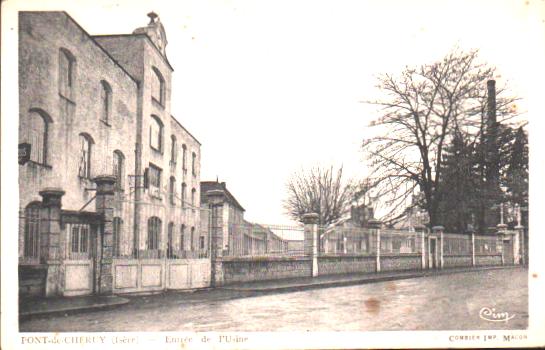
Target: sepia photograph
258 174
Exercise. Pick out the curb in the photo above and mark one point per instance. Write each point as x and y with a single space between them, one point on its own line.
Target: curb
69 309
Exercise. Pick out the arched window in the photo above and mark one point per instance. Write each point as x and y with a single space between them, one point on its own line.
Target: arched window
156 133
193 191
182 237
32 230
172 190
119 169
170 246
118 232
105 100
184 190
34 130
86 143
154 232
184 158
193 164
67 66
173 150
158 87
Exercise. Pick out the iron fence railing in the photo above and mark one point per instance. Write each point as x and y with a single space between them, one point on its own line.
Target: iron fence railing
346 240
400 242
456 244
163 230
486 244
250 239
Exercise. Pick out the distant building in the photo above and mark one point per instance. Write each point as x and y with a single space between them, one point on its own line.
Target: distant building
233 212
240 237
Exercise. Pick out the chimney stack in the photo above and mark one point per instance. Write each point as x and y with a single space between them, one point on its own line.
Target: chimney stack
492 161
491 105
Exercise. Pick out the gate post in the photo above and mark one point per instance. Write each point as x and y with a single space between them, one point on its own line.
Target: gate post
473 248
423 247
375 226
50 216
105 206
311 240
440 230
216 199
502 228
519 250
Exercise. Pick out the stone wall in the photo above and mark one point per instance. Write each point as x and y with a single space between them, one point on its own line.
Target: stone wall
488 260
260 269
456 260
331 265
401 262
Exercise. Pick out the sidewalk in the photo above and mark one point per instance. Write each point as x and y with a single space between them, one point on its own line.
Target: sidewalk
59 305
43 306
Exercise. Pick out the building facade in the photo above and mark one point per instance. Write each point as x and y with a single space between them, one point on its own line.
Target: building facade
95 109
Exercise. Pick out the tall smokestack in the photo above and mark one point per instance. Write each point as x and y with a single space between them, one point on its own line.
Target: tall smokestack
492 158
491 105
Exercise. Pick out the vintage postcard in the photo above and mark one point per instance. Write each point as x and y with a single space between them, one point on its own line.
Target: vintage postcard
235 174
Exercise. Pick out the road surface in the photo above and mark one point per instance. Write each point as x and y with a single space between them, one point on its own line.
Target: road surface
446 302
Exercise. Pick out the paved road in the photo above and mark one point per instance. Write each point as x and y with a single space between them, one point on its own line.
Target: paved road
448 302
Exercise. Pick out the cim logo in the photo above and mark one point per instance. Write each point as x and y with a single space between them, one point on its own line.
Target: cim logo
490 314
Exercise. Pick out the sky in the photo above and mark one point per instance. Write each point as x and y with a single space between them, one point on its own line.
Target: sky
273 87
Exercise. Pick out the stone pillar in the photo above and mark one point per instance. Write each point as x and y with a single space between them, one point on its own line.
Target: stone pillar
311 240
50 216
440 231
105 206
518 246
473 248
423 247
216 198
502 230
375 225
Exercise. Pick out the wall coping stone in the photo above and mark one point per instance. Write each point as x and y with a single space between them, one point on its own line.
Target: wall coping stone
263 258
348 255
310 218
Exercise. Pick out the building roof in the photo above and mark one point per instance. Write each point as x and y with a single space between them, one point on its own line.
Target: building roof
184 129
94 42
215 185
142 35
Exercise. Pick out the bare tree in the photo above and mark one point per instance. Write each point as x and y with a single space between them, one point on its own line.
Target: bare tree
318 190
421 109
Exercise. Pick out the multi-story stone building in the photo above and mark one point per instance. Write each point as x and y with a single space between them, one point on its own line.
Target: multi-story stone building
95 111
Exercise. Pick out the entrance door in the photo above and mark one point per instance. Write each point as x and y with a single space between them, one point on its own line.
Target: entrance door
433 253
80 263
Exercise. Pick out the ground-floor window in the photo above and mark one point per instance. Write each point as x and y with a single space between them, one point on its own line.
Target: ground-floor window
32 230
182 234
170 247
79 241
192 237
154 233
